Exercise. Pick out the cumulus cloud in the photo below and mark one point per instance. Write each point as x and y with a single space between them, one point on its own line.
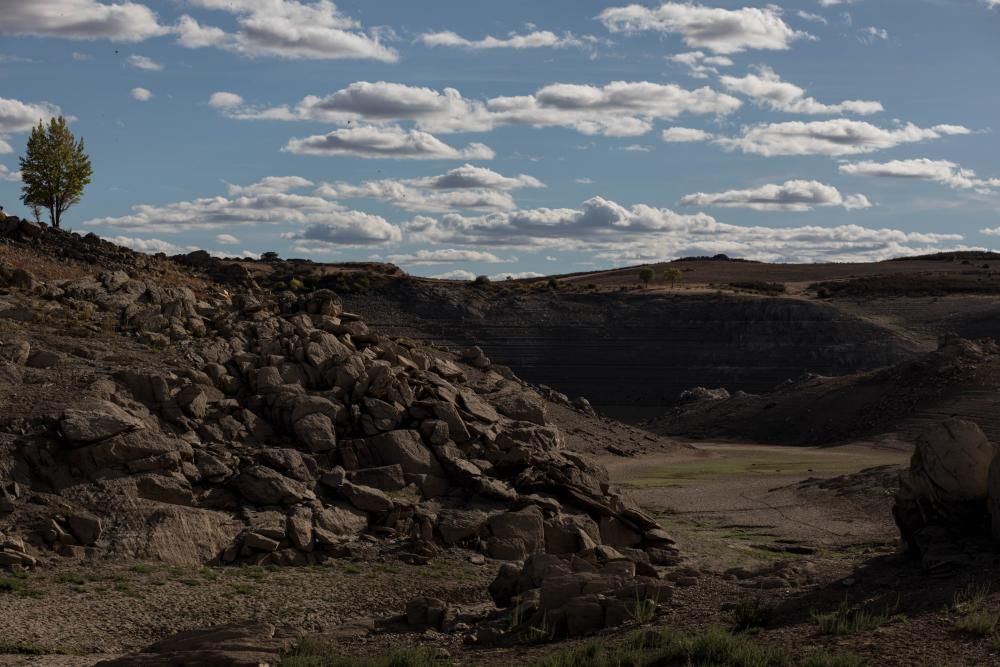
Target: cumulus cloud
390 142
767 90
994 231
809 16
833 3
143 63
699 64
142 94
269 202
80 19
447 256
620 108
645 233
463 187
7 175
537 39
150 246
720 30
831 137
684 134
285 29
226 239
457 274
223 100
17 116
798 195
993 4
939 171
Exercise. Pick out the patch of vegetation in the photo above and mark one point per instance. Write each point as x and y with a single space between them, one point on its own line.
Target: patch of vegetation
18 648
975 618
760 286
751 614
848 619
314 653
17 584
669 647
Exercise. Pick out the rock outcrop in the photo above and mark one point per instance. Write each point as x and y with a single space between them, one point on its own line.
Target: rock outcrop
948 496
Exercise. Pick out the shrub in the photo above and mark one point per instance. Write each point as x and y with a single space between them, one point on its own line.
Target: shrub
646 275
553 283
481 280
296 285
314 653
751 613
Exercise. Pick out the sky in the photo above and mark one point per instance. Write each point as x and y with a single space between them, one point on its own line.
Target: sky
517 138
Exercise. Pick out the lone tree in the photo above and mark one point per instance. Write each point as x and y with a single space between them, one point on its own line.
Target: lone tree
672 276
55 169
646 275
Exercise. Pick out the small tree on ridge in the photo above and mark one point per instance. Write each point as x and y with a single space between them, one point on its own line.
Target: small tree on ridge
55 169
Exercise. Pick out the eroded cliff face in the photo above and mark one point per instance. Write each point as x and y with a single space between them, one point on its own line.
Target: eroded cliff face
633 354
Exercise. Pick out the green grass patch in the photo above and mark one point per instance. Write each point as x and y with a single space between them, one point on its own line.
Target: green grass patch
315 653
17 584
18 648
848 619
751 614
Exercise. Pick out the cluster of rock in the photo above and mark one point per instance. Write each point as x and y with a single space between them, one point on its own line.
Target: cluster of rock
577 594
279 429
949 500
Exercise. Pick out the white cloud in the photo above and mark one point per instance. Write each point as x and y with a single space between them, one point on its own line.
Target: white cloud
143 63
995 231
992 3
767 90
939 171
17 116
538 39
809 16
447 256
457 274
5 148
271 185
79 19
285 29
223 100
619 108
226 239
701 65
463 187
798 195
268 202
637 148
517 275
585 181
720 30
151 246
142 94
645 233
7 175
684 134
871 33
390 142
81 57
833 3
831 137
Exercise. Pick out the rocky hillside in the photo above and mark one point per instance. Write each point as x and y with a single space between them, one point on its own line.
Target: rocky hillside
632 354
961 378
156 413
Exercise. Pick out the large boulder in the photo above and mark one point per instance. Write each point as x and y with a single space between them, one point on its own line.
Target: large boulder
96 421
944 497
264 486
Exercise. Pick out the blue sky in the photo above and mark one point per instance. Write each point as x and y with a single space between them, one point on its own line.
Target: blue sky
459 138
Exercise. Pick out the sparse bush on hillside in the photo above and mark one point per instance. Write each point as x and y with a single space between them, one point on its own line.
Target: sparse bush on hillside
270 257
673 276
481 280
646 275
553 283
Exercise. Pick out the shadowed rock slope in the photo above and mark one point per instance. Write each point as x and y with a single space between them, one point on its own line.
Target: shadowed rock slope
961 378
230 424
633 354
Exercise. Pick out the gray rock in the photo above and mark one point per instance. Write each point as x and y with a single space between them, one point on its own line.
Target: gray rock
96 421
263 486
